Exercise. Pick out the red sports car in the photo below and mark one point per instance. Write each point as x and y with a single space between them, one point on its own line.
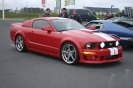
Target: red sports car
67 39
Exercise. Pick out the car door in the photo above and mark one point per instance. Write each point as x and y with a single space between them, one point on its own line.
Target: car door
99 26
39 39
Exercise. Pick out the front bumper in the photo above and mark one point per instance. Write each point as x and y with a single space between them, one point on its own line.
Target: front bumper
101 55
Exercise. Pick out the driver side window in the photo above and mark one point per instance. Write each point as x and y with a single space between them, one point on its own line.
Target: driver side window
38 24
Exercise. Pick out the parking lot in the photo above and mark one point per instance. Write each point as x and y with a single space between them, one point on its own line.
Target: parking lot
33 70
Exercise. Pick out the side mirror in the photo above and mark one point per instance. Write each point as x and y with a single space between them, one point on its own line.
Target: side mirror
47 28
92 28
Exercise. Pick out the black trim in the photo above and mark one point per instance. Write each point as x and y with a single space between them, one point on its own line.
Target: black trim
85 58
93 45
109 44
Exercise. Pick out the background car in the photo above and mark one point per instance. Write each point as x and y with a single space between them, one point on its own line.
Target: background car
118 18
122 19
125 33
128 21
66 39
85 14
125 22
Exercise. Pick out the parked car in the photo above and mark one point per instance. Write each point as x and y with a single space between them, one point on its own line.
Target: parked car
125 22
85 14
130 22
118 18
117 29
67 39
122 19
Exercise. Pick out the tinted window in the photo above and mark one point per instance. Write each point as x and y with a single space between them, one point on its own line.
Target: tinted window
63 25
124 24
38 24
82 12
70 12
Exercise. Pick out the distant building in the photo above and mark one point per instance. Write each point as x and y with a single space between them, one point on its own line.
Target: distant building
16 11
101 10
7 10
128 11
32 10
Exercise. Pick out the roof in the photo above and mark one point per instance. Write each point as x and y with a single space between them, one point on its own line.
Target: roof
51 18
103 21
101 9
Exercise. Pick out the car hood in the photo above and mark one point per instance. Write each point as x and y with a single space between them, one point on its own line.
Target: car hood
93 36
131 28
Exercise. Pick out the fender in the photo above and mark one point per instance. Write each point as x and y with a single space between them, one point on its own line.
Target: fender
20 32
72 40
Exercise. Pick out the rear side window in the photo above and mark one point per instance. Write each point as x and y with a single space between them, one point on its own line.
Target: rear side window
38 24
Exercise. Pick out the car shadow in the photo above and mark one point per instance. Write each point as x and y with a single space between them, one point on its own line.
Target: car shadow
128 48
100 66
105 65
45 56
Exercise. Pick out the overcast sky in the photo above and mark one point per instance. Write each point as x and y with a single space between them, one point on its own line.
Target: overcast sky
12 4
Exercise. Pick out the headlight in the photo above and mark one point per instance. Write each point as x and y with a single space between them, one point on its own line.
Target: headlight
90 45
102 45
117 43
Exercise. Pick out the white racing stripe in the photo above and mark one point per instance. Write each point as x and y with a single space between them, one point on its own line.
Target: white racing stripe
116 51
108 38
113 51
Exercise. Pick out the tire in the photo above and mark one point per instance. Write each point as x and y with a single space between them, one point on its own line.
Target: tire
69 54
20 44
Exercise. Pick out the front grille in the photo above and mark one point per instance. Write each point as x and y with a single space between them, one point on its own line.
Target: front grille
111 57
109 44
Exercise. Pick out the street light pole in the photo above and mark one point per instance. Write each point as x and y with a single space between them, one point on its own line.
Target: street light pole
3 9
27 7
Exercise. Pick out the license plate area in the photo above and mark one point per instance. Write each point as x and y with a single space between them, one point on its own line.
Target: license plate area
111 57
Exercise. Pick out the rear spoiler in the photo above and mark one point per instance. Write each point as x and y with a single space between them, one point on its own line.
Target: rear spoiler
14 24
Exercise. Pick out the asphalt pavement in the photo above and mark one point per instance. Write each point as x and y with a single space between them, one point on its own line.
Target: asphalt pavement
33 70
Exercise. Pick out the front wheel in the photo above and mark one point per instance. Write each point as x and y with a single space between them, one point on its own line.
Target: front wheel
69 54
19 44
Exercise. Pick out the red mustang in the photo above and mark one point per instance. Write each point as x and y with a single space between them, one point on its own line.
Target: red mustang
67 39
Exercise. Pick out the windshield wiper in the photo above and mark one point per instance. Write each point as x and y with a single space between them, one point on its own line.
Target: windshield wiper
67 30
62 30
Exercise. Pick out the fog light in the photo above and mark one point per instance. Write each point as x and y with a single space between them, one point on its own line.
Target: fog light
91 53
94 57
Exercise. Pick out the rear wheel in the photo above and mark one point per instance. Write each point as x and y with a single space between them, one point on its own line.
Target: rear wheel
19 44
69 54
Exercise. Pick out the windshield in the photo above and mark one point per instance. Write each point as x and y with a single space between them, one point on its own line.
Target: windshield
66 24
124 24
129 22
